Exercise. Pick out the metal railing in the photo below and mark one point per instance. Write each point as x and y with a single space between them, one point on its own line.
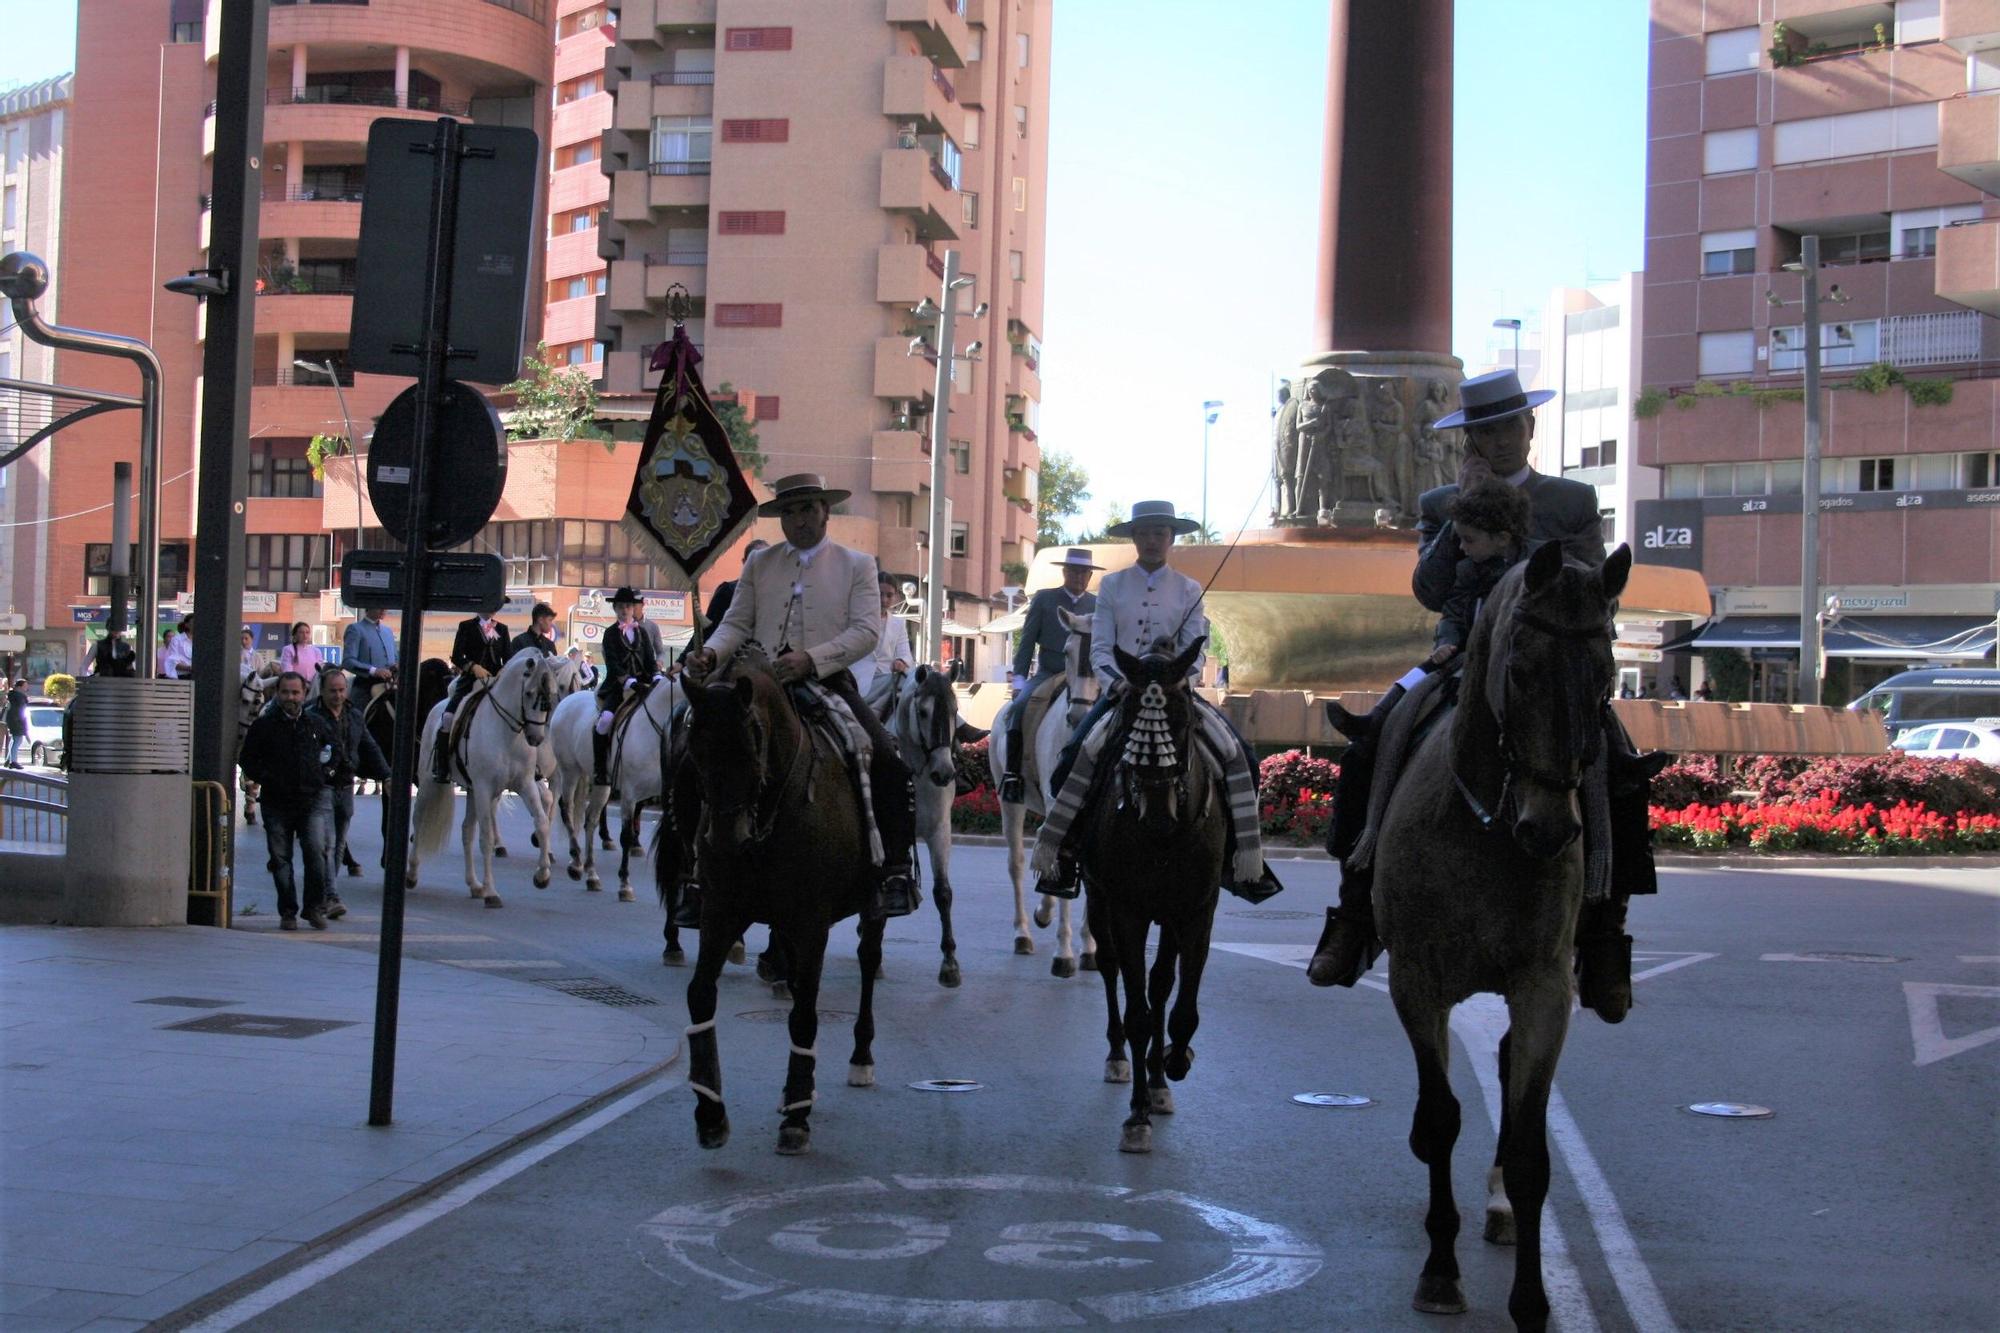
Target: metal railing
379 97
279 4
660 258
944 84
1927 340
313 194
301 285
288 377
34 809
677 168
684 78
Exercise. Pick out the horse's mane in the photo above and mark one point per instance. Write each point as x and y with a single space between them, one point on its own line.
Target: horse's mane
1493 636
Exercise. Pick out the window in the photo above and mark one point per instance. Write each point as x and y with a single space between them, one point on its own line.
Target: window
188 32
1918 21
577 287
285 562
1599 455
961 539
1607 525
577 354
526 547
577 155
767 407
1878 474
10 209
971 139
97 569
961 457
760 315
757 39
278 468
685 142
1022 50
1726 252
756 131
1865 247
1734 50
1725 353
1683 481
1854 134
1020 194
1857 343
766 223
1017 265
1788 478
1916 229
970 200
1978 472
597 554
1733 150
1020 122
975 45
1933 472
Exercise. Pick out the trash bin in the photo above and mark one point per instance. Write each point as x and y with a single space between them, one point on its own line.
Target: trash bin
130 803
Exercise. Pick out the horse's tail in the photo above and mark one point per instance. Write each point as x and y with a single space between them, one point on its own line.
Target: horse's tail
430 819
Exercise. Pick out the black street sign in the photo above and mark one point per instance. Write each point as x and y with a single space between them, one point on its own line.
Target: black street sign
461 581
470 462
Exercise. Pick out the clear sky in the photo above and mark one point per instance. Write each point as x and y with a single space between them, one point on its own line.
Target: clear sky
1183 208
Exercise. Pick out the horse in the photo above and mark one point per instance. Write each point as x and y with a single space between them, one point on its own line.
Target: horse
637 750
1064 712
1479 876
1153 853
783 839
925 725
508 721
567 678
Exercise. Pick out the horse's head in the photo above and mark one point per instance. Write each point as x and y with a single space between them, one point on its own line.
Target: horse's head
1541 659
533 675
1076 652
730 722
1156 717
927 718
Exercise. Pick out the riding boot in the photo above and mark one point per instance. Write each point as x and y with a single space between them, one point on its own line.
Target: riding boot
441 753
600 760
1064 882
1347 946
1604 959
1012 789
895 799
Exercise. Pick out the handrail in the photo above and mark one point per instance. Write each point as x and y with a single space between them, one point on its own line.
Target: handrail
312 194
678 168
325 95
34 819
684 78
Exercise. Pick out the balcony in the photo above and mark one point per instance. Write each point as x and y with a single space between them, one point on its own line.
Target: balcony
637 101
905 274
916 91
900 375
1969 141
304 211
650 20
635 194
1971 25
915 184
938 26
901 463
1968 266
294 115
641 285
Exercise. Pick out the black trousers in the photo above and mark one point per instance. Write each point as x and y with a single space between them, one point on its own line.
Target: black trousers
889 778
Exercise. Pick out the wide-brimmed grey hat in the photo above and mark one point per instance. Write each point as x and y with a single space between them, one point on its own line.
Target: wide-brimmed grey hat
799 486
1153 511
1494 396
1078 557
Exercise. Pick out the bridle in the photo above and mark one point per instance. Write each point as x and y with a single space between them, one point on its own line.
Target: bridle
1514 768
763 815
532 694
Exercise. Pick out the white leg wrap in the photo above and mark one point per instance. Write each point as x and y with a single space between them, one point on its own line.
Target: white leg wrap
812 1054
805 1105
709 1093
696 1029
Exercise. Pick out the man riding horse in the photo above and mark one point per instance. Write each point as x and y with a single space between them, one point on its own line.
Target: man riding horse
813 604
630 662
1497 416
1043 632
478 651
1151 608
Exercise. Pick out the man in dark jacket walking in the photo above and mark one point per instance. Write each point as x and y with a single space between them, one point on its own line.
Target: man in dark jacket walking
17 721
540 634
291 754
355 755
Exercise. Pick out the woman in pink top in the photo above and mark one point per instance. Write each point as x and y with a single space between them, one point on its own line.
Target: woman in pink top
300 654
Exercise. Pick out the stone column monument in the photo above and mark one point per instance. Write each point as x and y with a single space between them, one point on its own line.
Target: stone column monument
1358 450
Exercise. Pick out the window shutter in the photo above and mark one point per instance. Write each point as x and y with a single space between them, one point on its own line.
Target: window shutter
756 131
757 315
757 39
763 223
766 408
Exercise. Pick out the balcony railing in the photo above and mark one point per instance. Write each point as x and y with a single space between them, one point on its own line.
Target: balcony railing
660 258
677 168
383 97
934 264
1928 340
289 377
684 78
308 284
942 176
281 3
314 194
944 84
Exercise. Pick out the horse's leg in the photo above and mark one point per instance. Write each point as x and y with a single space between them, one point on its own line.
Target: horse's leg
1192 938
628 836
1159 986
539 800
1539 1014
468 828
1128 929
1499 1211
489 845
1087 959
861 1065
809 960
1014 823
1064 963
1433 1131
1117 1069
940 847
604 823
593 817
711 1118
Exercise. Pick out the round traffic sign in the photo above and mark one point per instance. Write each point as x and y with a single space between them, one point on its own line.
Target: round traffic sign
466 472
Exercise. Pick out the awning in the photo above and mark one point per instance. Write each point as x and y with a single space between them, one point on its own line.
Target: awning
1006 624
1893 638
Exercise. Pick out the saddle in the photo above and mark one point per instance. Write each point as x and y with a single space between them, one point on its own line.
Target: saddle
1034 708
1408 722
629 707
461 722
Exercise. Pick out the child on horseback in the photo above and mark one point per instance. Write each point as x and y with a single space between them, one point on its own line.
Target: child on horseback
478 651
629 662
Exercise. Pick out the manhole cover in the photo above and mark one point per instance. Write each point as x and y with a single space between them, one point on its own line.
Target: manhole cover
188 1002
1732 1110
785 1016
590 988
1838 956
257 1025
1348 1101
947 1085
1272 914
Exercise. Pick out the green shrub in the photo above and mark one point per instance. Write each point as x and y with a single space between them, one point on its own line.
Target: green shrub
1928 393
1648 404
1876 378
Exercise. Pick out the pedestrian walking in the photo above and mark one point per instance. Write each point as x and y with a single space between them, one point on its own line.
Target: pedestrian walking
291 754
113 657
355 755
17 721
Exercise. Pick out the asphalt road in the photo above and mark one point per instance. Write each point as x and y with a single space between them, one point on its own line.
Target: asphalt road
1865 1201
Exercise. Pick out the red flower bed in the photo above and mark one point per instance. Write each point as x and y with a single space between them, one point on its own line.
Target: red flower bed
1295 795
1825 823
1950 786
978 811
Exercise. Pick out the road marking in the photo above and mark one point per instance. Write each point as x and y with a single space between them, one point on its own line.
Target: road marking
1674 961
302 1279
1927 1029
1828 957
501 964
1979 958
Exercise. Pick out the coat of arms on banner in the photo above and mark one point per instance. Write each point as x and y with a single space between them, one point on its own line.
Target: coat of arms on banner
689 499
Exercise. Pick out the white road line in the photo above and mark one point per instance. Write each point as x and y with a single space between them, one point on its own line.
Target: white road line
501 964
1927 1028
1684 961
1979 958
304 1278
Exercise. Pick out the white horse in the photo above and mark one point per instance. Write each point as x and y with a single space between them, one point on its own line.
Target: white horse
499 755
1064 712
925 725
636 749
569 677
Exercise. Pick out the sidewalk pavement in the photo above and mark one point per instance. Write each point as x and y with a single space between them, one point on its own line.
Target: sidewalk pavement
168 1125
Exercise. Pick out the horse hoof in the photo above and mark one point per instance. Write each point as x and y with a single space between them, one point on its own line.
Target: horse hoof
765 972
781 990
1162 1099
1179 1060
1088 962
249 816
1500 1227
606 845
1117 1071
625 895
794 1140
542 879
1023 946
1062 967
712 1136
1439 1295
574 873
499 851
861 1076
674 957
1136 1138
493 900
474 891
948 974
738 957
594 885
1044 914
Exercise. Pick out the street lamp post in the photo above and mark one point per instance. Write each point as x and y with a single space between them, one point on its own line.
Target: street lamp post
947 358
1809 626
326 368
1515 325
1210 410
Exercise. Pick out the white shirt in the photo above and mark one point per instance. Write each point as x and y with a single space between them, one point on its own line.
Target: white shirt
1135 608
893 647
178 661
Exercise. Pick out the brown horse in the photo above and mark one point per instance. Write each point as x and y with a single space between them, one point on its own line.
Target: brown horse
1154 853
782 839
1479 878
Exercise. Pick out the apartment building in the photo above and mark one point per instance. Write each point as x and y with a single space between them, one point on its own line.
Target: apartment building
578 187
1873 128
802 170
1592 363
32 128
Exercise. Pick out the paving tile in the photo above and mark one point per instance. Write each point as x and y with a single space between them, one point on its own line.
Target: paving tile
171 1296
116 1279
17 1296
342 1211
62 1310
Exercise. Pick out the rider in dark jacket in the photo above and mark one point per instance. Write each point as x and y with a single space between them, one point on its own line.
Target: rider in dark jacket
478 651
629 660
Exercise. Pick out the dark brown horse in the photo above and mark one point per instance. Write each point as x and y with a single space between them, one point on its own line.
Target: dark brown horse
782 839
1153 853
1479 878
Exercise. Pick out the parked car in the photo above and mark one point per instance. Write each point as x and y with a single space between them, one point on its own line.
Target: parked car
1911 699
1960 740
45 742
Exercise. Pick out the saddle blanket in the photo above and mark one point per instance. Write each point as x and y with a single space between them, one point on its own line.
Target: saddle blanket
1225 753
830 713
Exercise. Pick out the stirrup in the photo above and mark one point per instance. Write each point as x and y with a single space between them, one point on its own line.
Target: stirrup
687 910
1012 789
895 894
1063 882
1261 889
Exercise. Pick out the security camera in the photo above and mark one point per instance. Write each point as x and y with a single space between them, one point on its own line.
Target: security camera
979 311
909 588
917 346
201 283
925 309
973 349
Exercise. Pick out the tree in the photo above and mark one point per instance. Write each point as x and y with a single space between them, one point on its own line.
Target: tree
1062 488
553 402
736 424
323 447
1114 514
1202 533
